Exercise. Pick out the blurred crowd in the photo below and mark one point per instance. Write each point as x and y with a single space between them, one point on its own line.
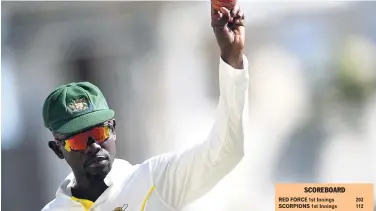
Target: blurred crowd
311 110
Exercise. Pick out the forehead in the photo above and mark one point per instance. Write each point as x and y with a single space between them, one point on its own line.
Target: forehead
61 136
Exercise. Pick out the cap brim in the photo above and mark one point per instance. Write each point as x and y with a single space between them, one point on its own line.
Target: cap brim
85 121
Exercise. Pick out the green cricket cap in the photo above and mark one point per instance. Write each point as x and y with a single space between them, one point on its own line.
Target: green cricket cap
74 107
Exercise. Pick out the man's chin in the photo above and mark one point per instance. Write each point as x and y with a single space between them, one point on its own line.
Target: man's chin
97 177
98 174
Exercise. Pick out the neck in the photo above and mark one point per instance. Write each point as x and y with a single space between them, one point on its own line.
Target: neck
86 188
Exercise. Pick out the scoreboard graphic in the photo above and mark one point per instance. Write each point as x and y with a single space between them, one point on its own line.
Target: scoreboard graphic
337 197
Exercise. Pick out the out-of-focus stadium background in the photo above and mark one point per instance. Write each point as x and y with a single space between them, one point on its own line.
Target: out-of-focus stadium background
312 100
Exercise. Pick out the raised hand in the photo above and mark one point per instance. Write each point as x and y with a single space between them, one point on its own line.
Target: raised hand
229 29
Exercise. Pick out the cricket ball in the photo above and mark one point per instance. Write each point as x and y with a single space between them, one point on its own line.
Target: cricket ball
229 4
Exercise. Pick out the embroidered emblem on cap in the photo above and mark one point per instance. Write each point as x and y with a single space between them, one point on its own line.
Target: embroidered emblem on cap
79 105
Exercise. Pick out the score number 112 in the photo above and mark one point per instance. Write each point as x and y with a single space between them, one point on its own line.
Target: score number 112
358 201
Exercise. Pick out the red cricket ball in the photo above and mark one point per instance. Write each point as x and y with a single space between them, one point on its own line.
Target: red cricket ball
229 4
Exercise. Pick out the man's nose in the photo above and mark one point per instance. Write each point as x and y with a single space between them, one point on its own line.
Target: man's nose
92 146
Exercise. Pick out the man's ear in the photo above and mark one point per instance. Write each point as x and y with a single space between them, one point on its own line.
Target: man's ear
55 147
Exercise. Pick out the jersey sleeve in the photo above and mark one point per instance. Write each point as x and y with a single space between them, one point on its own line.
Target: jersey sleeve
182 177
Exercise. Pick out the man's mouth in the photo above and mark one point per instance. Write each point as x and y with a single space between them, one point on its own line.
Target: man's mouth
96 160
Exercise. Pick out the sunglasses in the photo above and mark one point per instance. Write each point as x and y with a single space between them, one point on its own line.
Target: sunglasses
79 141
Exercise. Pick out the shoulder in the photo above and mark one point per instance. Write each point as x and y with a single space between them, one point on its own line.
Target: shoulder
55 205
121 169
121 163
121 166
159 163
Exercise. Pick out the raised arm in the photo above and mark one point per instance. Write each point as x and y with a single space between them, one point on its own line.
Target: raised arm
180 178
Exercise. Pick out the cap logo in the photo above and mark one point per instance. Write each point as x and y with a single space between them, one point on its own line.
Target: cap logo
79 105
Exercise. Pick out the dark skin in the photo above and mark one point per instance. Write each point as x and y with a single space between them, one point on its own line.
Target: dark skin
86 166
229 30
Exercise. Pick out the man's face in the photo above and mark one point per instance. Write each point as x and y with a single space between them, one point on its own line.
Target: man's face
95 161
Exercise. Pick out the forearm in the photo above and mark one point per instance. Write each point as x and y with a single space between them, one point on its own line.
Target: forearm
183 177
228 147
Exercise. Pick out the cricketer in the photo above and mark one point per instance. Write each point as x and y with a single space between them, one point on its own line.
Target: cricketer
84 129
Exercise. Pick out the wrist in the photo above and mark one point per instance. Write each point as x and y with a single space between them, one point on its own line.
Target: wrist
235 61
